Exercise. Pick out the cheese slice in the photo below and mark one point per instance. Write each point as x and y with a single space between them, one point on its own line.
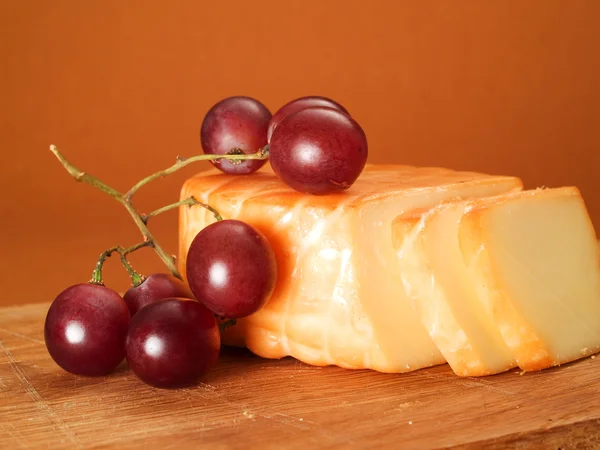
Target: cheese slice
338 299
438 282
534 260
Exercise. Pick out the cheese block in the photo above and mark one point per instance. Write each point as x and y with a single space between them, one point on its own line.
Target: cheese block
339 298
534 261
445 300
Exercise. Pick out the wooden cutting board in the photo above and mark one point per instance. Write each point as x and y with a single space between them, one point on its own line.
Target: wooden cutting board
248 402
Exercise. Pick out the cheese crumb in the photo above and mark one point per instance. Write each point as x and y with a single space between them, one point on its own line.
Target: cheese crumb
248 414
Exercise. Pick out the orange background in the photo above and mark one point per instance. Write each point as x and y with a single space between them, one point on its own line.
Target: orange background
509 87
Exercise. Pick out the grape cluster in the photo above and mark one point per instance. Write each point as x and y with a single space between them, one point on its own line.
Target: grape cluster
167 329
167 335
314 145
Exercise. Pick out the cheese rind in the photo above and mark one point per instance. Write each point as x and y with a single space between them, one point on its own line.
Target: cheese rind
437 281
338 299
534 260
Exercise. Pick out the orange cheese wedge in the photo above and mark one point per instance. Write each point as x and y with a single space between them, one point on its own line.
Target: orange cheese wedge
503 281
535 262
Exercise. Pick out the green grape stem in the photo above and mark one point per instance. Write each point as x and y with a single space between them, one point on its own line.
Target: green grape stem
140 220
136 278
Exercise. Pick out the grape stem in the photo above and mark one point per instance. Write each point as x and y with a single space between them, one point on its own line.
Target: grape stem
136 278
127 199
227 323
188 201
263 153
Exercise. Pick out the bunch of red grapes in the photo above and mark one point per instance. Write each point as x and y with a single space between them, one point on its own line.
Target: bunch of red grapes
167 329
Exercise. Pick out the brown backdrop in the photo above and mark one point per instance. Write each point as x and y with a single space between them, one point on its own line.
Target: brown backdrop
121 87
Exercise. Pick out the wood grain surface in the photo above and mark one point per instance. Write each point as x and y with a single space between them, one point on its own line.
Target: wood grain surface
249 402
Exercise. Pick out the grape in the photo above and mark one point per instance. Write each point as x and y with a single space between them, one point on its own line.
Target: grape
297 105
155 287
85 329
318 150
172 342
236 123
231 268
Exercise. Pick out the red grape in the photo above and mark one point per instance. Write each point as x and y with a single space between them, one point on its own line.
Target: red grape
236 123
155 287
85 329
318 150
231 268
172 342
299 104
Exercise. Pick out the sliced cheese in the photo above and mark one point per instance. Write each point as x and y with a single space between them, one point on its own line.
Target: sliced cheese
439 285
338 299
534 260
